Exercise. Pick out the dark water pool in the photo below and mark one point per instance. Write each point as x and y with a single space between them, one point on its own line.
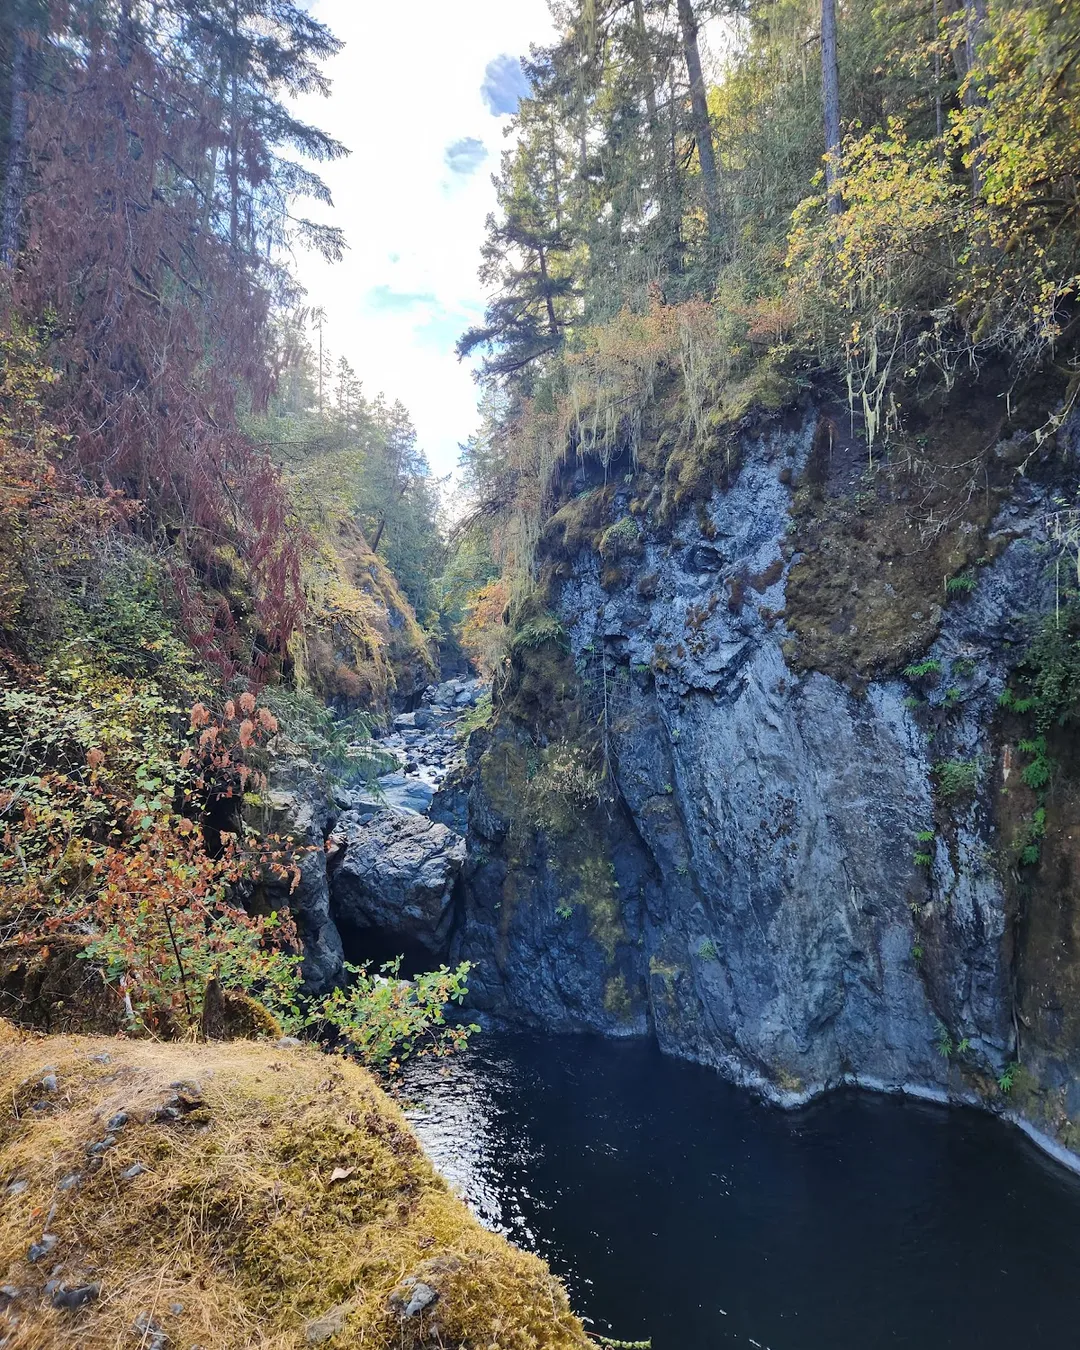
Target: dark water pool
675 1206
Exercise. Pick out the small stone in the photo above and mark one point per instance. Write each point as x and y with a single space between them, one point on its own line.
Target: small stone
50 1083
10 1292
166 1112
130 1173
118 1121
176 1309
17 1187
102 1145
423 1296
76 1298
103 1058
150 1332
329 1324
69 1182
288 1042
43 1248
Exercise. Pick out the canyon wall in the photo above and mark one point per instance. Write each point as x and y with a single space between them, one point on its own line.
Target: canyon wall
804 868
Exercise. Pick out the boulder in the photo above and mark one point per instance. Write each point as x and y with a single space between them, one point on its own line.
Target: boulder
447 692
397 875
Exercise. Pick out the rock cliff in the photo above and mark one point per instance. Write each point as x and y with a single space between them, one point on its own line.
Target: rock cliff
749 783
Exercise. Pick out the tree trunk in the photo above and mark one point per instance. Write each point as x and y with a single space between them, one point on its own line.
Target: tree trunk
939 117
234 133
974 26
15 177
549 304
699 114
830 97
656 135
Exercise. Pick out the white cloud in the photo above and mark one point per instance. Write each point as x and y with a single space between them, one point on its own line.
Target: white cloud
413 195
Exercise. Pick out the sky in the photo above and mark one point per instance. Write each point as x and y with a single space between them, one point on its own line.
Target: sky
422 95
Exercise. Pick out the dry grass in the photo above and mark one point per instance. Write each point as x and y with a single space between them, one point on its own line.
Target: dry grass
238 1233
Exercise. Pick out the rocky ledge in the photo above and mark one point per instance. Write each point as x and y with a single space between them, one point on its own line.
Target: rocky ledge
309 1212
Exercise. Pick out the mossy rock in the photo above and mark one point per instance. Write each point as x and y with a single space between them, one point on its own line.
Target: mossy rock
228 1016
282 1200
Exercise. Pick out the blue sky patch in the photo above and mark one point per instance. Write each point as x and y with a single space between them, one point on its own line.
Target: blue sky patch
386 299
504 85
465 156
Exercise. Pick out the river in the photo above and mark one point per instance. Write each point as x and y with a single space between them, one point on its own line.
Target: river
678 1207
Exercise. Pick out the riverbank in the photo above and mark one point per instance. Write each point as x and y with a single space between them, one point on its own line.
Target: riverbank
225 1195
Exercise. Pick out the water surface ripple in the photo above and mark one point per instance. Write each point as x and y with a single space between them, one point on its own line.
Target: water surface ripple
676 1206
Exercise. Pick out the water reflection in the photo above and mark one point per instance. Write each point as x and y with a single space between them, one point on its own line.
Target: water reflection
676 1207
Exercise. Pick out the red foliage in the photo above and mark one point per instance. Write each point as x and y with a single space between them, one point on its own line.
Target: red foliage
160 325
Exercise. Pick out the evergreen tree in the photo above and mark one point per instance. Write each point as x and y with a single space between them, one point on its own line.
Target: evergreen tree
526 256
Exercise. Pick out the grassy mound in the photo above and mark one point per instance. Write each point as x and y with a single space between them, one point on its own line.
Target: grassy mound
238 1194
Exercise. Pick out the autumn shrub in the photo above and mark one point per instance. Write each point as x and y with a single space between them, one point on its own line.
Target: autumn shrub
483 633
107 795
613 375
874 285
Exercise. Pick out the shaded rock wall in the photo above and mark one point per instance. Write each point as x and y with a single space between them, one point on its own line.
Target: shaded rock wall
776 914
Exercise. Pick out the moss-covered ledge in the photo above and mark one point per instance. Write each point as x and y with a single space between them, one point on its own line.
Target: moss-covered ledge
239 1194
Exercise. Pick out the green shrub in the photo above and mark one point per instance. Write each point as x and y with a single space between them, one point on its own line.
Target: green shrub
921 669
544 628
386 1019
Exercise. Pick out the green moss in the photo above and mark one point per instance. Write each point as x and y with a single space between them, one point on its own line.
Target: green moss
478 716
667 972
621 540
291 1189
617 999
693 471
576 525
593 876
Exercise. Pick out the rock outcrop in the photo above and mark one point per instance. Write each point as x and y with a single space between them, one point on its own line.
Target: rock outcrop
374 865
299 805
109 1148
797 892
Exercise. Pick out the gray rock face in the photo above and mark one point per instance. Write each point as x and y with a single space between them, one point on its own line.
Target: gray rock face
778 924
300 808
397 874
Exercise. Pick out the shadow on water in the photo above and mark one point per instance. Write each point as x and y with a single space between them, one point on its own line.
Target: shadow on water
678 1207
